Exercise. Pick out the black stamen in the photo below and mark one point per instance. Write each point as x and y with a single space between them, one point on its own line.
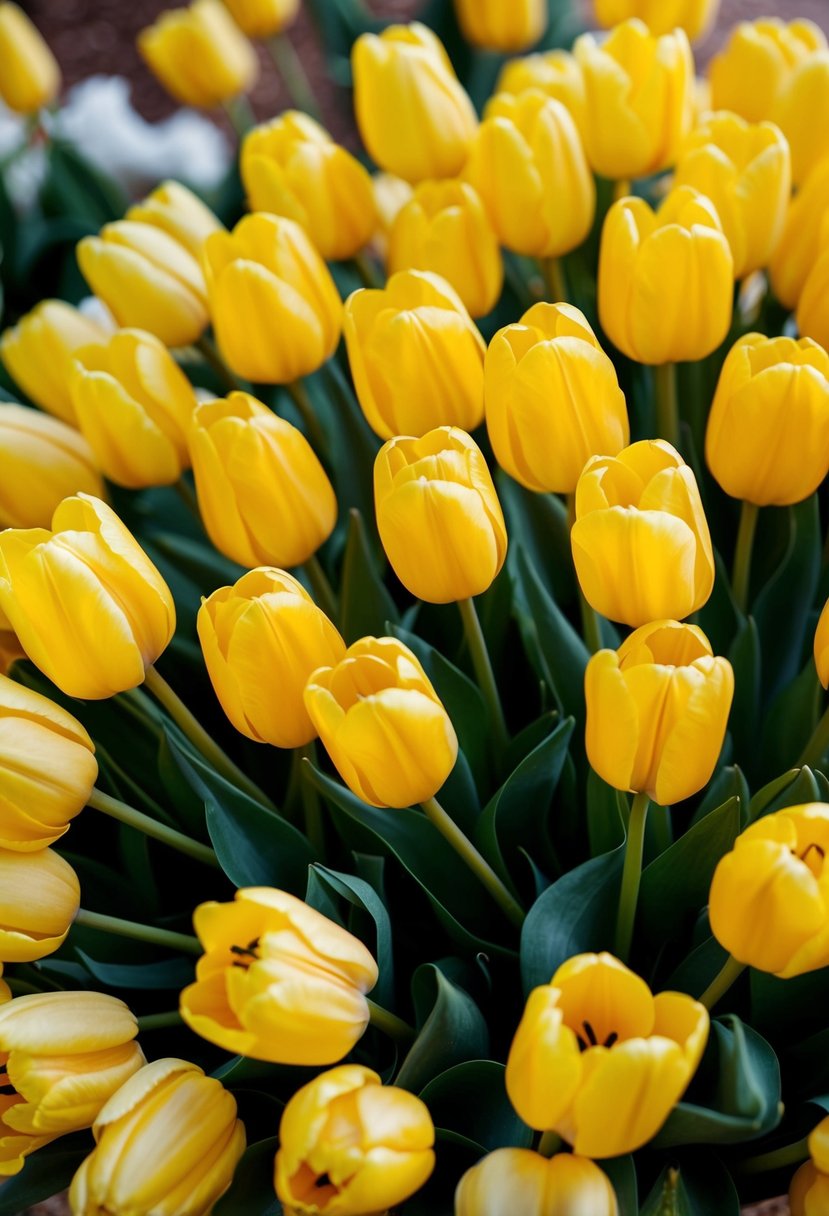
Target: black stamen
591 1034
323 1180
611 1039
808 850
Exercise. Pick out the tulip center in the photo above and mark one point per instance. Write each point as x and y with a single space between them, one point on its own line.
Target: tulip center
246 954
309 1187
588 1039
812 856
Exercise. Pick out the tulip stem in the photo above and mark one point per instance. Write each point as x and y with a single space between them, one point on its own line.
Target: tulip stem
365 269
549 1144
389 1023
479 866
212 358
241 115
159 1021
741 577
790 1154
302 401
294 77
631 875
323 591
731 971
141 933
818 745
667 403
311 809
622 189
150 827
483 672
590 624
555 279
188 497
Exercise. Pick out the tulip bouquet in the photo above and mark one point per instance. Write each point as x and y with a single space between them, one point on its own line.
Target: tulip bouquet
414 765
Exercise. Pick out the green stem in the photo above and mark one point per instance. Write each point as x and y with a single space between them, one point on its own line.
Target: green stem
390 1023
323 591
241 115
141 933
631 875
555 279
293 74
212 358
483 672
622 189
590 624
159 1021
731 971
667 403
159 831
302 401
311 808
818 745
779 1158
741 577
365 269
549 1144
479 866
188 497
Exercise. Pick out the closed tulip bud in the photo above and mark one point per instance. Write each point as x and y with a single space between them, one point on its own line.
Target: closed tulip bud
29 72
600 1060
167 1142
134 405
263 18
261 639
748 74
809 1192
657 711
554 73
178 212
147 280
199 54
769 905
44 461
412 112
515 1179
89 558
666 278
821 647
552 399
383 724
801 110
390 195
639 93
292 167
641 511
801 238
813 305
496 26
351 1145
416 357
39 898
263 495
276 311
695 17
278 981
37 353
768 430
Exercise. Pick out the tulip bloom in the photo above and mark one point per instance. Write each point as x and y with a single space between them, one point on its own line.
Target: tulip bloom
278 981
412 112
199 54
178 212
29 72
88 558
748 74
44 461
554 73
695 17
496 26
37 353
383 724
801 110
390 196
291 166
39 898
552 399
821 646
813 305
416 356
600 1060
167 1142
262 18
768 431
809 1190
639 93
640 512
666 278
517 1180
261 639
263 495
801 238
351 1145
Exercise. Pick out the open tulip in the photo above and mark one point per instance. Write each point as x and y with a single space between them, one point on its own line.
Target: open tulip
178 212
809 1190
600 1060
515 1179
801 110
262 18
29 73
748 74
695 17
37 353
801 237
496 26
278 981
88 558
44 461
554 73
199 54
39 897
351 1146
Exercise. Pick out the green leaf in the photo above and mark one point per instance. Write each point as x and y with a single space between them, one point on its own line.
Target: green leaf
360 895
170 973
471 1100
538 525
622 1173
789 724
455 1030
366 604
78 189
251 1191
606 815
698 1186
745 656
728 783
46 1173
790 789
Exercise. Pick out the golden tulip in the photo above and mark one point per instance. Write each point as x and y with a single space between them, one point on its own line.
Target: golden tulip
515 1179
39 897
291 166
178 212
552 399
38 351
809 1190
600 1060
695 17
383 724
748 74
29 72
657 711
263 495
412 112
199 54
261 639
89 559
768 430
813 305
263 18
416 356
666 278
278 981
554 73
438 515
44 461
390 195
801 110
821 647
801 237
640 513
167 1142
352 1146
496 26
276 311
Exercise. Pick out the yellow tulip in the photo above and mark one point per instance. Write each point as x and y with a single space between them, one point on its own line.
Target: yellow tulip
263 495
29 72
666 278
657 711
438 515
89 559
821 648
416 357
695 17
554 73
199 54
276 311
261 639
748 74
801 110
809 1192
278 981
600 1060
445 229
517 1180
496 26
44 461
801 238
350 1145
412 112
383 724
640 514
178 212
768 430
263 18
39 897
38 351
639 95
167 1142
552 399
769 902
528 165
390 195
291 166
